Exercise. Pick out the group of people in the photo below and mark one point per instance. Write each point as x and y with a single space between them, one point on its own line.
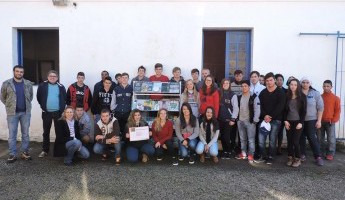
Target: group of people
242 113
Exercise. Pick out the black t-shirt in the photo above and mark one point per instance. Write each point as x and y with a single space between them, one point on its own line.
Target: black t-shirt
80 94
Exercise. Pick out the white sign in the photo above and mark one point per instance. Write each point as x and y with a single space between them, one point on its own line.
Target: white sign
139 133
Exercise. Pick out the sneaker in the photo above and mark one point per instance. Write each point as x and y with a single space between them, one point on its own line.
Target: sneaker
269 161
175 161
191 159
241 156
26 156
69 164
303 158
11 159
145 158
42 154
290 161
329 157
296 163
117 160
224 155
207 156
159 158
215 159
202 158
259 160
319 161
250 158
180 158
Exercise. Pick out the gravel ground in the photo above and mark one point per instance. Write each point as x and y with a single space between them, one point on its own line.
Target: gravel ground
48 178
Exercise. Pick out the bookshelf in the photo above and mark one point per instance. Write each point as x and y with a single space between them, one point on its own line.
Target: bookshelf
149 97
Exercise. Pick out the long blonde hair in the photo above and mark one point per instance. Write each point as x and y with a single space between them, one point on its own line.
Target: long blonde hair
185 92
63 115
157 121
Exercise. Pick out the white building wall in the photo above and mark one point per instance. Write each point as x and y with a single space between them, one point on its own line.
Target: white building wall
119 36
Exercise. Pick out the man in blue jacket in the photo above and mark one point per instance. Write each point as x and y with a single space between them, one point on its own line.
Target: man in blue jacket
51 95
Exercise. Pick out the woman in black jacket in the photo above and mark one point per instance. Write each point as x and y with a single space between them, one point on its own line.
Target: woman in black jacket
67 141
295 111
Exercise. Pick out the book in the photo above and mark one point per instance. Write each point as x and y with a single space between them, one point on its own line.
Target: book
146 86
173 106
137 86
174 87
165 88
157 87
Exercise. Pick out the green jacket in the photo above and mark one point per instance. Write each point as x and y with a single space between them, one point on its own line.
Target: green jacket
8 95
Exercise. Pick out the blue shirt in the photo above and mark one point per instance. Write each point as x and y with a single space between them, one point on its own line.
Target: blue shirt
53 98
20 101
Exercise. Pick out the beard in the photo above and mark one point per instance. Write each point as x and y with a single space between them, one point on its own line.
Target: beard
18 76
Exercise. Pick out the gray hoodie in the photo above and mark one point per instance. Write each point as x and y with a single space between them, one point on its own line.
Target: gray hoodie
189 129
314 105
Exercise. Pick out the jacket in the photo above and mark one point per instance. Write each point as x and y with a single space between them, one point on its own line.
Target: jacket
42 95
108 130
165 134
254 108
122 99
63 136
302 108
207 100
192 131
228 109
71 98
214 135
314 105
9 98
331 112
101 100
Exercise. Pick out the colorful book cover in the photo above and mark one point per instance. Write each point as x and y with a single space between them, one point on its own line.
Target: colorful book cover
146 86
173 106
137 86
157 87
165 88
174 87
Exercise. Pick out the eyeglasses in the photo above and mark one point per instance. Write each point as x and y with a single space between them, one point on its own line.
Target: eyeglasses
52 76
305 82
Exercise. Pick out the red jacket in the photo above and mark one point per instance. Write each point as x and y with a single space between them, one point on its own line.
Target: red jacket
207 100
71 98
165 134
331 112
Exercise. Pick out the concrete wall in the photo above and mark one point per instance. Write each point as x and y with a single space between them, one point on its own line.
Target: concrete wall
119 36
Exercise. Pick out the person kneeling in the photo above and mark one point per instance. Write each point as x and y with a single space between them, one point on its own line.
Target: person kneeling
134 147
162 132
67 141
209 132
107 131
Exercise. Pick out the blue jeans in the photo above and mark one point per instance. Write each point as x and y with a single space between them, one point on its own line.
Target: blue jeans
133 152
328 147
73 146
275 126
100 148
309 131
247 133
213 149
12 121
191 147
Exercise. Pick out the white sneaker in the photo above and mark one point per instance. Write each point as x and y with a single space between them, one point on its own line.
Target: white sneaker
42 154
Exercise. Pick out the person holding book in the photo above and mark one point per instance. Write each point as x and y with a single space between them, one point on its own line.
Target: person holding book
209 96
177 77
68 138
162 133
107 134
135 147
209 133
191 96
102 98
158 77
187 132
122 101
141 75
228 112
295 111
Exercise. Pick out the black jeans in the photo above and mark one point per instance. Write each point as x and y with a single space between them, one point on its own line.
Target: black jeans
122 118
310 132
170 146
48 118
293 136
227 136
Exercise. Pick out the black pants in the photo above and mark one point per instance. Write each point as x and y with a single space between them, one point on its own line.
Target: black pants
293 136
170 146
48 118
122 118
227 136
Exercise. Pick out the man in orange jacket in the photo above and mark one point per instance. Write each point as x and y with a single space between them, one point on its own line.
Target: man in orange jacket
331 115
